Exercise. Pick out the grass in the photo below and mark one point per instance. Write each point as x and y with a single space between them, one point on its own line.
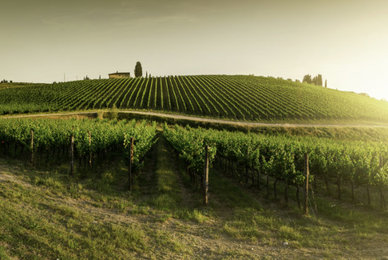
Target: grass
47 215
3 254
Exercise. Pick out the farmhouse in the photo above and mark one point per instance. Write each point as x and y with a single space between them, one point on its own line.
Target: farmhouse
119 75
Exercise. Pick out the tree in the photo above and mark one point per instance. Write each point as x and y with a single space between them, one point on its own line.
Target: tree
138 70
307 79
317 80
326 83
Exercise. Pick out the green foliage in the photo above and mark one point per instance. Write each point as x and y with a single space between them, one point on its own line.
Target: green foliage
307 79
317 80
232 97
144 139
77 220
50 133
283 157
54 135
138 70
190 143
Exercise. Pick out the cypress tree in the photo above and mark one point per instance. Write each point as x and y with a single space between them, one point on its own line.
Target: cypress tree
138 70
319 80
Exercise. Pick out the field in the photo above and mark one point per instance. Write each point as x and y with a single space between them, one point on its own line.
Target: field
47 215
261 134
81 205
232 97
110 186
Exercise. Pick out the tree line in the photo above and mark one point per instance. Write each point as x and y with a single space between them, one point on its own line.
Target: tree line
5 81
317 80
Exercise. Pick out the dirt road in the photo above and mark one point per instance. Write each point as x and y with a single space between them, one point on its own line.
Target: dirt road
198 119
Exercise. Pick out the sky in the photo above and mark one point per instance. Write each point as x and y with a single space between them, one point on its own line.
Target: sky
344 40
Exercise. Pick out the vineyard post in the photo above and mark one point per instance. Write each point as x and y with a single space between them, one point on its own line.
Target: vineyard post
90 149
32 147
382 199
206 177
313 199
130 178
306 188
72 155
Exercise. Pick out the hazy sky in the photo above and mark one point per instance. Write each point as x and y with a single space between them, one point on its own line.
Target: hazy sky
344 40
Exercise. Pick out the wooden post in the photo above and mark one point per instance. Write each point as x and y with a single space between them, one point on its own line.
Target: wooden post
32 147
382 199
313 199
90 149
381 161
306 188
206 177
130 177
72 155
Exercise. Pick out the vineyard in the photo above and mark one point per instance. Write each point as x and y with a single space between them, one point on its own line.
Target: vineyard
255 159
89 185
233 97
84 143
252 159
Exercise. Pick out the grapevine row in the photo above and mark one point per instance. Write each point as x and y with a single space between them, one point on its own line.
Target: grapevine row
252 158
234 97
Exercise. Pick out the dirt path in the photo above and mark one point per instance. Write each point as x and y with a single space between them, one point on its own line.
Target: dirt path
160 178
199 119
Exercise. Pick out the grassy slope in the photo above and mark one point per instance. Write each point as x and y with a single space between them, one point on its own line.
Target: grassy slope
243 98
47 215
19 85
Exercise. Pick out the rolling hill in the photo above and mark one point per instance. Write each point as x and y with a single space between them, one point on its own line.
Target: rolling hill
233 97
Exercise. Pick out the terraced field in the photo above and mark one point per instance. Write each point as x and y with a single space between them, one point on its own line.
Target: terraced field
221 96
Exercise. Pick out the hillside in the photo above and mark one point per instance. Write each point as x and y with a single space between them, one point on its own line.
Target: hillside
233 97
20 85
48 215
69 190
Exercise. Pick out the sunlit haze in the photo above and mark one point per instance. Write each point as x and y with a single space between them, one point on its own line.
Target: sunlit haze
345 41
